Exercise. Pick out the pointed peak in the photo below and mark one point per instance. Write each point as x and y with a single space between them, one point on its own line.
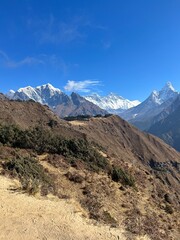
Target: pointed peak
169 86
48 86
155 93
74 94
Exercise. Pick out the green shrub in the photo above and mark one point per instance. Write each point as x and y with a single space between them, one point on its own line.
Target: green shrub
31 174
168 209
119 175
108 219
43 140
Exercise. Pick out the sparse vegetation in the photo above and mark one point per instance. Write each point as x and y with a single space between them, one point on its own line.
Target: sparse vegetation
43 140
120 175
85 117
168 209
79 117
108 219
30 173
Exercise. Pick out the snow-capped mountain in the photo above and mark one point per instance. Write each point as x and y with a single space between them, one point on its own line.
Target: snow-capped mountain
166 93
41 94
112 102
62 104
142 115
167 125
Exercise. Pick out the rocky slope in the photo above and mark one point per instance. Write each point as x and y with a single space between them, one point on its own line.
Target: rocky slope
131 182
77 105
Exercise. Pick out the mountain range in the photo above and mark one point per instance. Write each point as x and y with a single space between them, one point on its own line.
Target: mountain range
62 104
113 103
144 115
74 104
153 115
159 114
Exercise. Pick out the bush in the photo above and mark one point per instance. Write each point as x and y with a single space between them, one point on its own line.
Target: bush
43 140
119 175
31 174
108 219
168 209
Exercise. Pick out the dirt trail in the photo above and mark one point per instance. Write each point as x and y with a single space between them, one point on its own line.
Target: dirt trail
25 217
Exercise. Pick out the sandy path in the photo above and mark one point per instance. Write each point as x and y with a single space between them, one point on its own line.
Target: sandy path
24 217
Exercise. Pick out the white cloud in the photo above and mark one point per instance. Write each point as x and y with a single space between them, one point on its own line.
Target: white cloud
81 86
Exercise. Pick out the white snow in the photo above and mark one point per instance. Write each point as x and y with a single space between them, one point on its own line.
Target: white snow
164 94
38 94
10 94
112 102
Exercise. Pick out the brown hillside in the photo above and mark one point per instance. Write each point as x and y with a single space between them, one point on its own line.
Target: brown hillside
145 204
28 114
126 144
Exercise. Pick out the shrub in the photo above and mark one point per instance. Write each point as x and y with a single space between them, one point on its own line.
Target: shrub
43 140
31 174
168 209
108 219
119 175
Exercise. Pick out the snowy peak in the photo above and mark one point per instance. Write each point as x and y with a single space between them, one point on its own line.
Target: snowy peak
169 86
62 104
143 115
10 94
166 93
112 102
41 94
48 87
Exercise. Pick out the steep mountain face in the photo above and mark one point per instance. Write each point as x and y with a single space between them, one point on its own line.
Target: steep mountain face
167 125
58 101
77 105
142 115
112 102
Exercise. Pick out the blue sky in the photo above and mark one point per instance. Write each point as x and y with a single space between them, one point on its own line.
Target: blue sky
124 46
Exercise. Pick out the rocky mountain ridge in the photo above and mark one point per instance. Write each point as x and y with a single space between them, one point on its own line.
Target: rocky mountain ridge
62 104
142 115
113 103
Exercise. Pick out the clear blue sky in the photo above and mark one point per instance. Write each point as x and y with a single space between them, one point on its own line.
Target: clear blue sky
129 47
